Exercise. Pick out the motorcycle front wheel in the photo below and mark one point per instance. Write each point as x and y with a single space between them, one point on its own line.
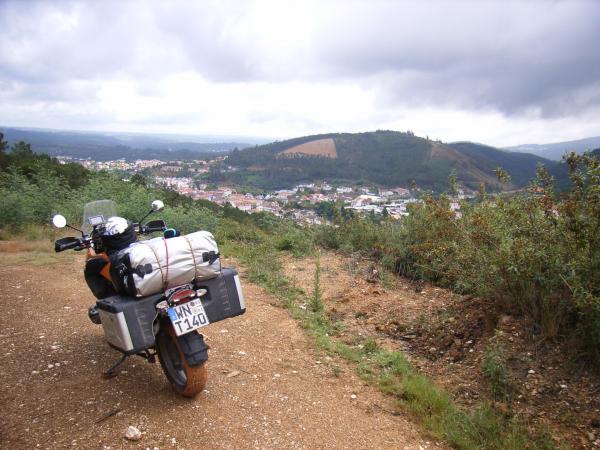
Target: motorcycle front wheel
186 380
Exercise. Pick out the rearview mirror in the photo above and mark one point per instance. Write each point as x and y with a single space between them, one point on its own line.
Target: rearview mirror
59 221
157 205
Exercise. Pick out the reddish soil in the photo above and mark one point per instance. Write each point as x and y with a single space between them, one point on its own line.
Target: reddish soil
267 388
446 335
320 147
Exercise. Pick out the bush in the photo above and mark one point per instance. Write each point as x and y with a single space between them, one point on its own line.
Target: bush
27 201
531 253
295 240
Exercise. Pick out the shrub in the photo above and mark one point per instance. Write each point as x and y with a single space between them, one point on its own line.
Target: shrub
530 253
295 240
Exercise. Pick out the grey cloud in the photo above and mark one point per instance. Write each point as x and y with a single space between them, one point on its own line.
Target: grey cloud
507 56
48 91
45 41
296 120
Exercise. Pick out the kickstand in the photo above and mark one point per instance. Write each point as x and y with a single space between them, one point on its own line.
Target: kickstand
111 372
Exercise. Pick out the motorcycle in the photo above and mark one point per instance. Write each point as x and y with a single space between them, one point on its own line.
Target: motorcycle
161 324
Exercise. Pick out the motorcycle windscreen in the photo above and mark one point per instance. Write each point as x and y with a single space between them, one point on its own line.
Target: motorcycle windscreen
97 212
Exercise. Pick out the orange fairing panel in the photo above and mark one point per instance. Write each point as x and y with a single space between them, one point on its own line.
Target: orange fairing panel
105 272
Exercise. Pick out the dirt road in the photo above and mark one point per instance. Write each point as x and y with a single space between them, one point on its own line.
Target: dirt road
282 394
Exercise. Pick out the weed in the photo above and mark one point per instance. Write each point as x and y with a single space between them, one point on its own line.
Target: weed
316 301
387 278
369 346
337 371
494 367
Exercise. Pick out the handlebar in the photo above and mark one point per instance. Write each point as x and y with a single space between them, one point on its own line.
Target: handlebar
146 230
86 241
68 243
152 227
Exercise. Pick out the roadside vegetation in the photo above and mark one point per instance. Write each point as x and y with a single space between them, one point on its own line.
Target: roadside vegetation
533 254
389 371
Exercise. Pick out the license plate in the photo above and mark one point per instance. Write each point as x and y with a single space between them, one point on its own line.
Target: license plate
188 317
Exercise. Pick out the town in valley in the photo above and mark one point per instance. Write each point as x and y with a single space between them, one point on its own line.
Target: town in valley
298 202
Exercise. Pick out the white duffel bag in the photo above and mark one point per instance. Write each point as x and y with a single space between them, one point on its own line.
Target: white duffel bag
158 264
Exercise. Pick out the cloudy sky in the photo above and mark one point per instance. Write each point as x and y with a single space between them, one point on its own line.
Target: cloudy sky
501 73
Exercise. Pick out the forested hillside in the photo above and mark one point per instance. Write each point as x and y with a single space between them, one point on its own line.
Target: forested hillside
520 166
107 147
386 158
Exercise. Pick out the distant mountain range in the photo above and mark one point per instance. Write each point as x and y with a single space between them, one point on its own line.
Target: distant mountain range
130 146
387 158
556 150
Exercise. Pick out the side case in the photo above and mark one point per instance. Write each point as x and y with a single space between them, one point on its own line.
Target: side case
224 297
128 321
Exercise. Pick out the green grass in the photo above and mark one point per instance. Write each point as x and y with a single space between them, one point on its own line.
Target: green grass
29 232
31 245
389 371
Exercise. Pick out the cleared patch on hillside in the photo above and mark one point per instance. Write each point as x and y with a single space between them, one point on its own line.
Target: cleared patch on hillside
465 166
320 147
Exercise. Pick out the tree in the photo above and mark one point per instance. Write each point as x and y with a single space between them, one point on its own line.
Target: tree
502 175
4 159
482 192
3 143
139 179
22 150
453 183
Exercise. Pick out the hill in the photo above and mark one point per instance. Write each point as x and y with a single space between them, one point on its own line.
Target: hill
556 150
386 158
111 146
520 166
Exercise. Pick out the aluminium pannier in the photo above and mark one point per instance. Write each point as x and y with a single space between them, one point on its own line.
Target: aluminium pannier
152 266
129 322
